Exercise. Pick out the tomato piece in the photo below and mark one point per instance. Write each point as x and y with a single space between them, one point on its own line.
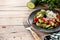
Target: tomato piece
57 15
45 20
49 21
35 20
53 19
56 24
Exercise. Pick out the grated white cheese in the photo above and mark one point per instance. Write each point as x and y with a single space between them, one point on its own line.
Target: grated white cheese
51 15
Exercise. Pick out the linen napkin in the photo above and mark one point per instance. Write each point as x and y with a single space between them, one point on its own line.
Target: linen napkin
55 36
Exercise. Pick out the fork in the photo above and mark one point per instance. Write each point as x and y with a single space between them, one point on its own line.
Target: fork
29 27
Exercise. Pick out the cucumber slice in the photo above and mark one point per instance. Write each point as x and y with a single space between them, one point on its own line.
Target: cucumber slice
57 19
38 24
52 24
30 5
41 21
48 26
44 25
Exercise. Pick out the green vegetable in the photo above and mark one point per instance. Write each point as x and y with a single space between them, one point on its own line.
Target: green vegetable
38 24
44 25
51 3
43 12
48 26
41 21
58 3
30 5
57 19
52 24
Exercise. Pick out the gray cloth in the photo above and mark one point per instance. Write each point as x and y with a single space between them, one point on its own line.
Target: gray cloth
55 36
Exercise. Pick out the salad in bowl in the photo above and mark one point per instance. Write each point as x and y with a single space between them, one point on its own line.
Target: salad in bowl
46 19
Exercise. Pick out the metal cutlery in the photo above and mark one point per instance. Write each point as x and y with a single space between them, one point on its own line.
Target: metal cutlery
29 27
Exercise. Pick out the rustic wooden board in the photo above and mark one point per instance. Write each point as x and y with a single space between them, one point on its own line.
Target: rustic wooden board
12 15
13 2
14 33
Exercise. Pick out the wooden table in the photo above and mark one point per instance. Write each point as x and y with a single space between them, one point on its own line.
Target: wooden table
12 15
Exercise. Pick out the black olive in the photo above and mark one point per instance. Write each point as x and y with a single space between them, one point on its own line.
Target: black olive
47 38
45 16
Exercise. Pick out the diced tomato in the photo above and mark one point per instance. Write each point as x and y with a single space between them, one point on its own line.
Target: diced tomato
59 22
49 21
35 20
56 24
45 20
53 20
57 15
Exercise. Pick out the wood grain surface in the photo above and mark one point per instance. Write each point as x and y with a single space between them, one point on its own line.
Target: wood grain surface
12 15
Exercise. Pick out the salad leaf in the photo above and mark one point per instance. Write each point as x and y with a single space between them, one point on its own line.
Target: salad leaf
51 5
43 12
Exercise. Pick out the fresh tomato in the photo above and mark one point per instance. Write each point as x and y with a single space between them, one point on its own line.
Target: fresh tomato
45 20
35 20
56 24
49 21
57 15
53 19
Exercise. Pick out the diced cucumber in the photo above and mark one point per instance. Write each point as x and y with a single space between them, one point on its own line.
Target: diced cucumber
41 21
52 24
37 14
48 26
44 25
38 24
43 12
30 5
57 19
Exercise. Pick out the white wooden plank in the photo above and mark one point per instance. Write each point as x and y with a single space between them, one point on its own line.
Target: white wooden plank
2 2
12 29
14 33
12 21
14 2
4 8
14 13
16 36
13 17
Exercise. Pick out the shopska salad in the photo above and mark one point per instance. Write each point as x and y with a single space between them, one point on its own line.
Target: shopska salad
46 19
